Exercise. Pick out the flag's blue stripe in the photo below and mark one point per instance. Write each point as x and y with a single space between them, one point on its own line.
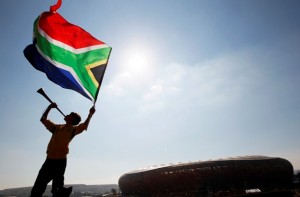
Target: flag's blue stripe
57 75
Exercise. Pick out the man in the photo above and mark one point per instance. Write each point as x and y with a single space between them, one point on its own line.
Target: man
58 148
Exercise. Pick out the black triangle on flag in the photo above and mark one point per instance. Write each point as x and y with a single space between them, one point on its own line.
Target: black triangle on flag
98 72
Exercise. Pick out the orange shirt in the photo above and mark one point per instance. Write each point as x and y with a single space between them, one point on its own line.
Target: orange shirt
62 134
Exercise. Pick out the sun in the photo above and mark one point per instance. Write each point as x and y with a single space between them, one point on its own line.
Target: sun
138 60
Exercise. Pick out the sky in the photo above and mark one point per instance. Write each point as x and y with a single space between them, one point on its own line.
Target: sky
186 81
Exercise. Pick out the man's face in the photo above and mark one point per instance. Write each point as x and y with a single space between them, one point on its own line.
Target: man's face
69 118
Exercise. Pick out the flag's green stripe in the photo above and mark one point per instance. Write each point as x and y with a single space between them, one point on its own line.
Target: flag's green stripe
76 61
67 57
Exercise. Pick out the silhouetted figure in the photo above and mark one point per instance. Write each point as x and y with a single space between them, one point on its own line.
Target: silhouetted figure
58 148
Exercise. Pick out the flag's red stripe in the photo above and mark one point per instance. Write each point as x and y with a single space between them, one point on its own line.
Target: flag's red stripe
54 25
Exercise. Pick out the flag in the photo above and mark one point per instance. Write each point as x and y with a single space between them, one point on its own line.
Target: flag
68 55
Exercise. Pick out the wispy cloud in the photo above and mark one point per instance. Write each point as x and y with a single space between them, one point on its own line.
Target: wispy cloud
214 82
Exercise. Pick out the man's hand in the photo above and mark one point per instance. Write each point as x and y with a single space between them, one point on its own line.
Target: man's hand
53 105
92 110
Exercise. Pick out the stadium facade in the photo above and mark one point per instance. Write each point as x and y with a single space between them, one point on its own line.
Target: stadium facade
223 177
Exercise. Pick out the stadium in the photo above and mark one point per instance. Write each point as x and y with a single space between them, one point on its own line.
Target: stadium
238 176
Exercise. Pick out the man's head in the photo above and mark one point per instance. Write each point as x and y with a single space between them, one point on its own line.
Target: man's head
73 118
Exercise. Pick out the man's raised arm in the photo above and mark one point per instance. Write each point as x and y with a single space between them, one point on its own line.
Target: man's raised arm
46 112
87 121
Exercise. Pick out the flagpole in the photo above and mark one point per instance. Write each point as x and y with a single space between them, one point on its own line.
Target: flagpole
100 82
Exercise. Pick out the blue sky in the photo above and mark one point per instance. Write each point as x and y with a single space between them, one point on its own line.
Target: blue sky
186 81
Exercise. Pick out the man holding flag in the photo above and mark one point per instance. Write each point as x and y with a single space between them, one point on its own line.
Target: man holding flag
73 59
58 148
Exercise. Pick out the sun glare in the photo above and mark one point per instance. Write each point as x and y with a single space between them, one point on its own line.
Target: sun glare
138 61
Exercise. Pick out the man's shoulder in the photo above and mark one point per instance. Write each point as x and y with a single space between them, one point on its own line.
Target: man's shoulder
49 123
80 127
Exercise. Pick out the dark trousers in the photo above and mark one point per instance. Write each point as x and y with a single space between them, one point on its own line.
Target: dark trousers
52 169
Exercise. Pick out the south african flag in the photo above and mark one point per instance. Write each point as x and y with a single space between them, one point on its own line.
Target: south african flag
68 55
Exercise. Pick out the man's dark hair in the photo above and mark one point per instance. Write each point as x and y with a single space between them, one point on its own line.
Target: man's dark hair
76 118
